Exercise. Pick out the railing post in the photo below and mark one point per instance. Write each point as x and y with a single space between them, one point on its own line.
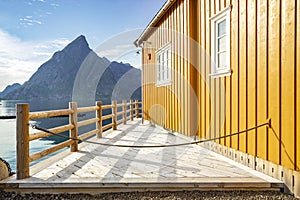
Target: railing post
136 108
22 141
131 109
124 111
73 119
99 116
142 113
114 112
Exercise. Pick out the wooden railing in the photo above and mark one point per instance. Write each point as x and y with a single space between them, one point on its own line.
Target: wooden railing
24 137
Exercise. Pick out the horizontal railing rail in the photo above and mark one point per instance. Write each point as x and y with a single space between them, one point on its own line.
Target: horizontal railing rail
129 110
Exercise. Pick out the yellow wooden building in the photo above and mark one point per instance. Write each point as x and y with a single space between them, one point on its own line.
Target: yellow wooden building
216 67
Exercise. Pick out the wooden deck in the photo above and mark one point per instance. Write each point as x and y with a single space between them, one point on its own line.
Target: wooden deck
96 168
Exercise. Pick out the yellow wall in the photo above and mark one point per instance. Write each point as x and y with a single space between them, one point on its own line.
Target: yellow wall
168 105
265 79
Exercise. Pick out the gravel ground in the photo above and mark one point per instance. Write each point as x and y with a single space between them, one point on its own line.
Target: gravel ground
153 195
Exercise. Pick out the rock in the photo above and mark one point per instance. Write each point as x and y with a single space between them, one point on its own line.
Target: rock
3 171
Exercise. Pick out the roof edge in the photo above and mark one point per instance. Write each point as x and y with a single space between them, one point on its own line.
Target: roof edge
154 21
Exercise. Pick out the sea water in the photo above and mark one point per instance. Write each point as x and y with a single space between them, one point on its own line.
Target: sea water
8 133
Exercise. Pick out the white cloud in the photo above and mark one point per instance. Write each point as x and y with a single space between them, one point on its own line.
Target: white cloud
54 5
20 59
43 1
29 21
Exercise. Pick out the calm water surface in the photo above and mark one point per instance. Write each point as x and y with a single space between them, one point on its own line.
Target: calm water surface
8 131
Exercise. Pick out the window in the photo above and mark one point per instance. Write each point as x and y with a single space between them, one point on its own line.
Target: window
163 65
220 44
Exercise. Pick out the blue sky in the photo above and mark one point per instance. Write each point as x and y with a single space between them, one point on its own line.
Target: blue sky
32 30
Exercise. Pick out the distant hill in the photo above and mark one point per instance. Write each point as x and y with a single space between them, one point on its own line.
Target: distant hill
9 88
54 80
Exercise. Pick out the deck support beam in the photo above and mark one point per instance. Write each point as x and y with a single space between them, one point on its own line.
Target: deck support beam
99 116
73 119
114 112
22 141
131 109
136 108
124 111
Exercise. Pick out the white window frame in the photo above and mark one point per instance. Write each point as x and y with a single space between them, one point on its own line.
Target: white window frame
163 65
215 20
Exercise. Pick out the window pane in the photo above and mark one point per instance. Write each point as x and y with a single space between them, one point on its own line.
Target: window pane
222 44
221 60
158 67
167 65
222 28
163 66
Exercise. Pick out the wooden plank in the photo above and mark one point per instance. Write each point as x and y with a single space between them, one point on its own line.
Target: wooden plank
107 127
131 110
176 70
120 113
180 68
228 110
59 129
186 68
235 72
92 166
208 69
48 151
274 80
87 122
227 104
262 78
296 185
297 89
213 84
22 138
73 119
88 134
87 109
105 107
243 75
119 105
217 5
114 112
124 111
222 4
107 116
222 116
218 108
47 114
173 54
288 84
203 81
136 108
251 81
99 117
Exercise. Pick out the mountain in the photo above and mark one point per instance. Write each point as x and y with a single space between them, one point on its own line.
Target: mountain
75 70
8 89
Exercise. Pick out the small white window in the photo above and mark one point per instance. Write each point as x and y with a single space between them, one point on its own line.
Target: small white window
220 44
163 65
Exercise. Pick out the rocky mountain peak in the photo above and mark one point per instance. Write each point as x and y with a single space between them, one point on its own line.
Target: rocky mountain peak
79 43
54 80
78 48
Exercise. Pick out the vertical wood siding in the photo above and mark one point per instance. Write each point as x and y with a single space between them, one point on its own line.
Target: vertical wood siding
265 79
